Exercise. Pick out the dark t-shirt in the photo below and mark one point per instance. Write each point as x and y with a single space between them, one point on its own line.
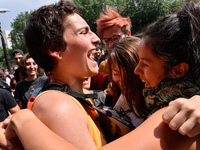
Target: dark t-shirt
7 102
18 76
24 89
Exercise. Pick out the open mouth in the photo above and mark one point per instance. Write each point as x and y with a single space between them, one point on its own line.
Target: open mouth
91 54
147 84
85 81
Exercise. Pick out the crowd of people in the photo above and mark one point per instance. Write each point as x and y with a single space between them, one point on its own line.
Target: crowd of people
153 80
17 86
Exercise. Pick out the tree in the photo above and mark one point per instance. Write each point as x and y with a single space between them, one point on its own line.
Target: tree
90 9
16 34
141 12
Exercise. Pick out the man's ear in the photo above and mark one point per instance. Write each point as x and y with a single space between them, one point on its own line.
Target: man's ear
179 70
56 54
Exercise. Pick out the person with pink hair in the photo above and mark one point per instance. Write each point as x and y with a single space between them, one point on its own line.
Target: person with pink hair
111 27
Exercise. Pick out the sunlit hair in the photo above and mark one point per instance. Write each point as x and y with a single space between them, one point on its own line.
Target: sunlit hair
124 54
176 38
22 66
110 18
44 30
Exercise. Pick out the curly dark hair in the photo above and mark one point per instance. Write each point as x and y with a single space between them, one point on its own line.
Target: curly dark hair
44 32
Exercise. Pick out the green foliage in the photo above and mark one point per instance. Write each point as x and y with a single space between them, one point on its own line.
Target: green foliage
16 34
141 12
1 56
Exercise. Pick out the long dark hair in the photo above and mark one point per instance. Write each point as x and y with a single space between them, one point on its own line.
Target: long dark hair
124 54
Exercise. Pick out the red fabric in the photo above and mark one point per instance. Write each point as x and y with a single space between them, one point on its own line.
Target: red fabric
30 102
97 81
20 76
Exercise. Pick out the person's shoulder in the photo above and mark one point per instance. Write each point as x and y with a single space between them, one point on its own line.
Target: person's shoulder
16 71
57 100
6 94
41 78
2 90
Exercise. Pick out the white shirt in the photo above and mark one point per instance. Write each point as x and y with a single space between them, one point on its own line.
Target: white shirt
122 104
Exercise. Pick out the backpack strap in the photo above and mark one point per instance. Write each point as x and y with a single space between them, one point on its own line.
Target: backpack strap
65 88
112 123
90 108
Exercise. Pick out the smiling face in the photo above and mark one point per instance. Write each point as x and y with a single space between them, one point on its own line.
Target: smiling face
31 67
110 32
77 58
150 68
116 75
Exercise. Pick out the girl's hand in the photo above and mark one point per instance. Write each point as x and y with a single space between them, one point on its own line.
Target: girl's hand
184 115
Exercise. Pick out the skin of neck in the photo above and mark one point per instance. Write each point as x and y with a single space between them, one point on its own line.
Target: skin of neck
73 82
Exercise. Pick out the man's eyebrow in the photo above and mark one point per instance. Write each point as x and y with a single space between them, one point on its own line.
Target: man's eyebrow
86 28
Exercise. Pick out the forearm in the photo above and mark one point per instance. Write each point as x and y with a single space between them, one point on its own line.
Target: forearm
154 134
33 133
14 109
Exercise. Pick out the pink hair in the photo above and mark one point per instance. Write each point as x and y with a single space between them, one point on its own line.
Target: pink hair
110 18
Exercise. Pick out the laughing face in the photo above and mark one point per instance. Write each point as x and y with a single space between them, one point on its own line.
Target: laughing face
150 68
31 67
78 57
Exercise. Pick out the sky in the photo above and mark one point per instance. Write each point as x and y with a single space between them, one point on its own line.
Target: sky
18 6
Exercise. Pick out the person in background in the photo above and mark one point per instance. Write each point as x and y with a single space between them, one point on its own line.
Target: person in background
13 82
14 68
8 76
33 78
17 54
3 83
98 54
111 27
7 104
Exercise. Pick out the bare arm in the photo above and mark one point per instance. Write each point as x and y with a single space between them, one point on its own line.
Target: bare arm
14 109
154 134
33 133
